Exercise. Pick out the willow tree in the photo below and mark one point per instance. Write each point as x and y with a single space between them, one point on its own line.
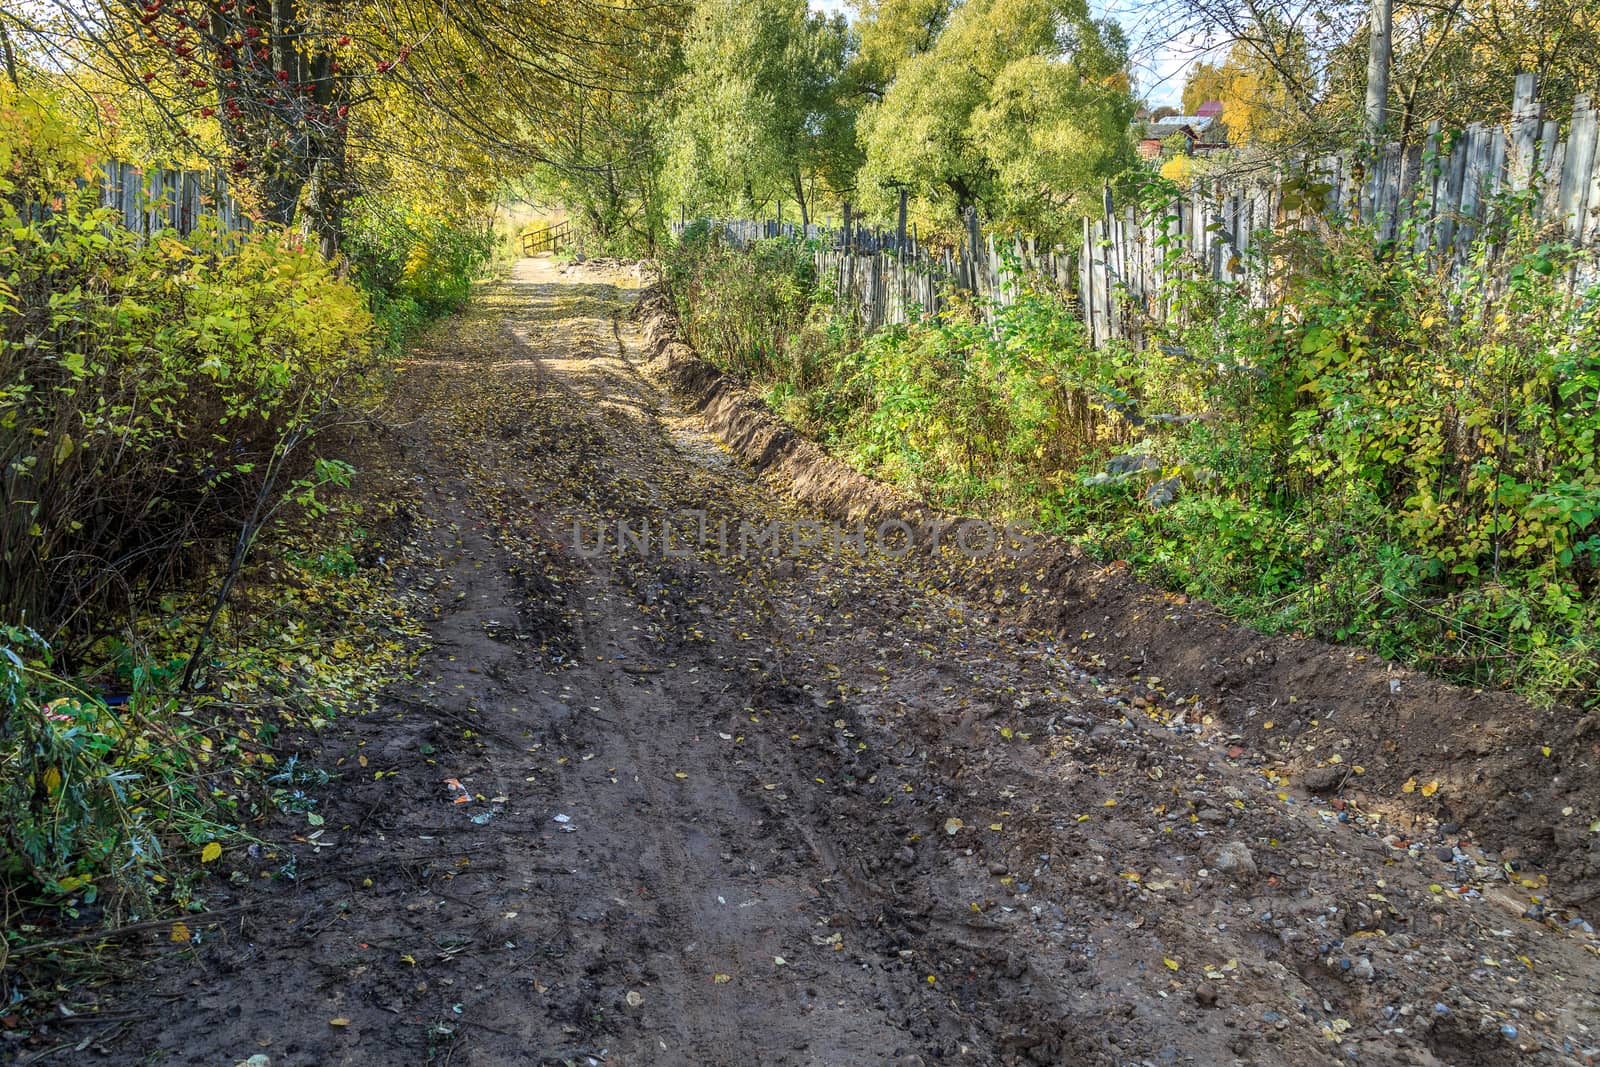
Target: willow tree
1020 109
760 111
891 32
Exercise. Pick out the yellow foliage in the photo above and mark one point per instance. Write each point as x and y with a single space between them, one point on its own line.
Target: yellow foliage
1257 104
1178 168
39 153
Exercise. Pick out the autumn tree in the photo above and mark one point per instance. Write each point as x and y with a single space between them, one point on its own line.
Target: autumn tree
304 95
609 177
1459 60
891 32
1294 73
760 111
278 76
1263 103
1205 82
1020 108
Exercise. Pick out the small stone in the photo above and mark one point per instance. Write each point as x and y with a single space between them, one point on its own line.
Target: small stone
1445 853
1205 995
1234 860
1362 970
1163 492
1322 779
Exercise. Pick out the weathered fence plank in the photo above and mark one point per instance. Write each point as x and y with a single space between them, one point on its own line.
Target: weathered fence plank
156 200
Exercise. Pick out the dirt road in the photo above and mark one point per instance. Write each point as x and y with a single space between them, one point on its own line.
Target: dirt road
712 806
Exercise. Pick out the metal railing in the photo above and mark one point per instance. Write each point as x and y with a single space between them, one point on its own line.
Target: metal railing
546 239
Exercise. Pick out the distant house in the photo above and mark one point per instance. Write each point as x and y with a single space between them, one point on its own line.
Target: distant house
1201 132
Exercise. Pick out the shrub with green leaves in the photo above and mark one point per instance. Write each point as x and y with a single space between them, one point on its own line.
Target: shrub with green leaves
1383 453
158 396
743 306
69 813
414 267
148 389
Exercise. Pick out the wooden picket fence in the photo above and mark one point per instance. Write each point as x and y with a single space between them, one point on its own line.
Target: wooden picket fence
887 277
1444 189
156 200
1441 191
149 202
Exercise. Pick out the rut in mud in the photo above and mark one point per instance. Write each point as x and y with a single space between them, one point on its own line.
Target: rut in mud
697 805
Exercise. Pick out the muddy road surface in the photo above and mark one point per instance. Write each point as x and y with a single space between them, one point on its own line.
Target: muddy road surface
700 801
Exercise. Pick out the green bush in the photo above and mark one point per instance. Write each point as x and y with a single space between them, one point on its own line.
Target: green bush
415 268
149 390
743 306
65 817
155 394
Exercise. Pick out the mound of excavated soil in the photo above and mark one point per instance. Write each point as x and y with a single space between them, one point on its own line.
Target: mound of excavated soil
1517 779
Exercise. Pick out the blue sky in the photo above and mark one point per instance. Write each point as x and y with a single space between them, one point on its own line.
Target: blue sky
1159 62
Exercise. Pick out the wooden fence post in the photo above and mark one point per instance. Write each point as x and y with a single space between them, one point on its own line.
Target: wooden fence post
1526 115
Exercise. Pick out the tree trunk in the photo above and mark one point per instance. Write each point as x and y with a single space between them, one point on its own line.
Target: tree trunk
800 198
282 106
10 56
1379 44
